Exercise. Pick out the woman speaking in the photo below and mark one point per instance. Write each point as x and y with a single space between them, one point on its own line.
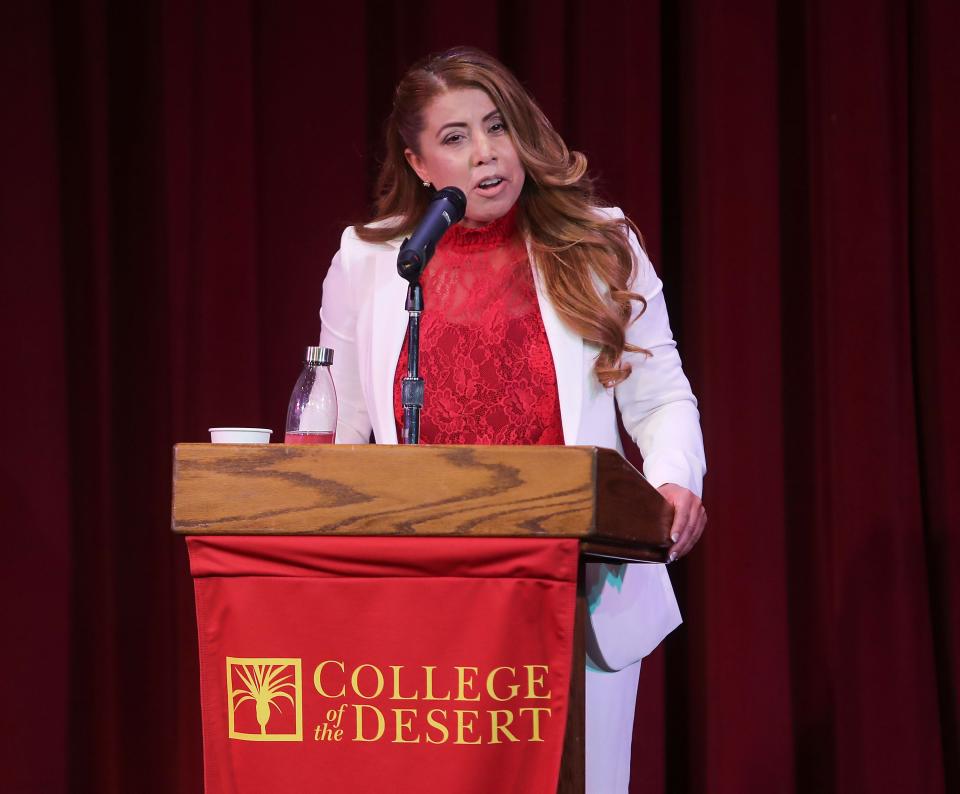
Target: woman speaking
544 315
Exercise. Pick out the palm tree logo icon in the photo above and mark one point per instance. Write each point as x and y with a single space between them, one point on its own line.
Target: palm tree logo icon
268 684
263 687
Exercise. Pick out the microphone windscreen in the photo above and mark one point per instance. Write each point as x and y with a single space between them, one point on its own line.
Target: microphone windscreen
456 197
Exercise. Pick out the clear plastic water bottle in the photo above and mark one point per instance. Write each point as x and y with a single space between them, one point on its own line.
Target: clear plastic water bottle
312 415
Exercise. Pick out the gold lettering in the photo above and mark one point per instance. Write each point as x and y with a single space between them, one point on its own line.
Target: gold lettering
536 722
401 726
430 696
532 679
438 725
396 685
463 682
355 681
316 679
381 723
513 688
496 727
464 725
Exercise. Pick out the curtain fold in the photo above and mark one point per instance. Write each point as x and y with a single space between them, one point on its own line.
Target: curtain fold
34 469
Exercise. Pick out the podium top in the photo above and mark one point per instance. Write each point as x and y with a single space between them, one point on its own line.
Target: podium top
470 491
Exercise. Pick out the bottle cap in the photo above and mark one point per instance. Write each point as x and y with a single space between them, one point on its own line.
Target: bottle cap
319 355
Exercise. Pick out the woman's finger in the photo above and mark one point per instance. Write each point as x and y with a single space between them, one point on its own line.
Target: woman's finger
680 525
689 519
692 532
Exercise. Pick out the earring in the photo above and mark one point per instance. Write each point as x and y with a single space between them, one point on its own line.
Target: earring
426 183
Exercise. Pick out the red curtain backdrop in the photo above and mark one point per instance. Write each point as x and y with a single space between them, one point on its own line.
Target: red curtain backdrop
175 176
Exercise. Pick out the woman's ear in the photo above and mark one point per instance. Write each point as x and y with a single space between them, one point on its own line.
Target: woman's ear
416 163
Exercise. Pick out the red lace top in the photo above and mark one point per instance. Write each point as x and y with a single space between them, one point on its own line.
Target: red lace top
484 354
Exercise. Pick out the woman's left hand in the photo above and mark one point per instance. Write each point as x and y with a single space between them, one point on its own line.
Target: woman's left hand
689 518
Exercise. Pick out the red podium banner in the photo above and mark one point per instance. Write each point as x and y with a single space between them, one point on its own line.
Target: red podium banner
383 664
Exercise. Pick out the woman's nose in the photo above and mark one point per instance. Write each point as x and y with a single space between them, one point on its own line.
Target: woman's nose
482 149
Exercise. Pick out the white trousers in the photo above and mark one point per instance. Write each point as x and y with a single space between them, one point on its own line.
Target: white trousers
611 698
631 609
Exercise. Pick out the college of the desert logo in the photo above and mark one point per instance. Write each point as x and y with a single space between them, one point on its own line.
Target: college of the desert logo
264 699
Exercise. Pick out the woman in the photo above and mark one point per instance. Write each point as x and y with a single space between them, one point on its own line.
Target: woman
543 314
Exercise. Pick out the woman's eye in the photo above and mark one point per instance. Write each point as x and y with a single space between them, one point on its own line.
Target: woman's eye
455 138
498 126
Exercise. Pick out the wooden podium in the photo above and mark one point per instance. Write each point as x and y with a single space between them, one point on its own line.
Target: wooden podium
586 493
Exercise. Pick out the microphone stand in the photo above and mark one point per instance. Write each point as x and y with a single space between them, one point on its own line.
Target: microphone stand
411 387
446 208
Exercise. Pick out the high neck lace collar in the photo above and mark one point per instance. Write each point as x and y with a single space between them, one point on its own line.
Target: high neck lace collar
494 234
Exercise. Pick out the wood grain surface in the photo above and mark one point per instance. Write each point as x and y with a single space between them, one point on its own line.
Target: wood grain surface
582 492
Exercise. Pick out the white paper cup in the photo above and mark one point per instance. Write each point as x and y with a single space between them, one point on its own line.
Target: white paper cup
240 435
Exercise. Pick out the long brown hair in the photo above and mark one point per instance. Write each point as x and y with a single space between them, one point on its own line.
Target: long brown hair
583 258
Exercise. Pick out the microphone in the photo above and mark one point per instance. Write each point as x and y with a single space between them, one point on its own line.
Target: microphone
447 207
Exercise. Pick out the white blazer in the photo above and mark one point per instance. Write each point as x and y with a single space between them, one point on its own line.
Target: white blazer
363 319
